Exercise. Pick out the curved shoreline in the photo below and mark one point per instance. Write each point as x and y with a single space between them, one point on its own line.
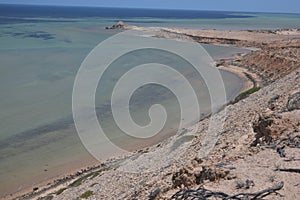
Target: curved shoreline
63 181
251 80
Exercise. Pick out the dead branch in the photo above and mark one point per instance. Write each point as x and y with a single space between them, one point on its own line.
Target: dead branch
203 194
258 195
290 141
281 151
291 159
288 170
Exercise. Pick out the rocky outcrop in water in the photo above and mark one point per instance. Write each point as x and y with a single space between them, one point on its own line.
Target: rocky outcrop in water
120 25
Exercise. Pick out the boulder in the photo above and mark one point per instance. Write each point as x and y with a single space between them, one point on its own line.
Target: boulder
293 102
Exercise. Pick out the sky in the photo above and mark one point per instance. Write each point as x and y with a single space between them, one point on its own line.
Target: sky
281 6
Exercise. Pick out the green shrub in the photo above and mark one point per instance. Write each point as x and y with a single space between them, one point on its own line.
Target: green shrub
246 94
87 194
60 191
77 182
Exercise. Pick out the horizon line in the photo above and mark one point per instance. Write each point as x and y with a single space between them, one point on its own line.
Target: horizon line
176 9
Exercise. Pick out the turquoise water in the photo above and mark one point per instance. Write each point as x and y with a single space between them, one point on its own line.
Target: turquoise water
258 21
39 62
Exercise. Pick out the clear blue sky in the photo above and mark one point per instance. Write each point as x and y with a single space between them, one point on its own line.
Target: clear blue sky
286 6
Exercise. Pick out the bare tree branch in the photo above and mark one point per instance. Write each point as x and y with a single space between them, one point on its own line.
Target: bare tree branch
203 194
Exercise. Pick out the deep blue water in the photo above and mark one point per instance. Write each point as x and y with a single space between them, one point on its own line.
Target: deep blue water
17 13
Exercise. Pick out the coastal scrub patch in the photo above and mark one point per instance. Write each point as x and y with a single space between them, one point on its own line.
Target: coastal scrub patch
48 197
60 191
95 174
91 175
87 194
78 182
246 94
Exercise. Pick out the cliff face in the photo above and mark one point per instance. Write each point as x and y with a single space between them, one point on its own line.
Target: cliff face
274 60
275 54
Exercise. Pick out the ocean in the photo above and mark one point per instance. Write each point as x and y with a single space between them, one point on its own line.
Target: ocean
41 50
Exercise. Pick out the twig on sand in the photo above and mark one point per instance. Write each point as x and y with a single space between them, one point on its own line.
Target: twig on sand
288 170
291 159
202 194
